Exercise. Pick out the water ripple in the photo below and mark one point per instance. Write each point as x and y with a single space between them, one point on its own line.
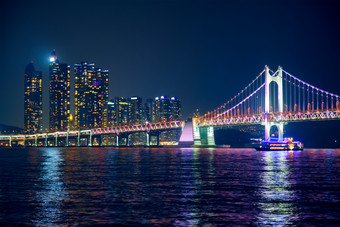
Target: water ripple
159 186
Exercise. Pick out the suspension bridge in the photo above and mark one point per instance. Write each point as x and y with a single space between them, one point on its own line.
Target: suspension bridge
272 99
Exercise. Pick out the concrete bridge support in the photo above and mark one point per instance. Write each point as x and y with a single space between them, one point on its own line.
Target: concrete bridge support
269 125
117 140
147 139
203 135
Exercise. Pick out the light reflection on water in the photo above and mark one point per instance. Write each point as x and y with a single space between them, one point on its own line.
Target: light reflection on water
161 186
188 188
277 203
51 193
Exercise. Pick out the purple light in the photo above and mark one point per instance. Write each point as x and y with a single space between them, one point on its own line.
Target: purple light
187 133
295 78
96 84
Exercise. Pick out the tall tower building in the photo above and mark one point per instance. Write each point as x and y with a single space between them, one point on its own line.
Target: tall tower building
148 110
137 116
91 95
175 109
123 111
33 100
166 109
59 94
109 114
161 109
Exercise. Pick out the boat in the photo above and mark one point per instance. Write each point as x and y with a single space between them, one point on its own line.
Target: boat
274 144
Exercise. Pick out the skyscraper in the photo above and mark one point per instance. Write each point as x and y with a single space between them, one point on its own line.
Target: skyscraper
123 111
175 109
161 109
91 95
166 109
59 94
33 100
137 116
148 109
109 114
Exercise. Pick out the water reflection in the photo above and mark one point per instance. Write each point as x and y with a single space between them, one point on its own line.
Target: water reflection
51 193
164 187
187 215
277 203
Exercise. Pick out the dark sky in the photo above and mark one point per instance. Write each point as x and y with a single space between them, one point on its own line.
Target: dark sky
204 52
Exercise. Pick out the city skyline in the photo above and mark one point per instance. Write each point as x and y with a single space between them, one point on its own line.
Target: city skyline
159 53
90 99
84 107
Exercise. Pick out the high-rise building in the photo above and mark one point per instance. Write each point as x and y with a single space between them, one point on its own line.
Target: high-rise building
33 100
161 109
123 111
137 116
117 112
166 109
175 109
59 94
91 95
148 109
109 114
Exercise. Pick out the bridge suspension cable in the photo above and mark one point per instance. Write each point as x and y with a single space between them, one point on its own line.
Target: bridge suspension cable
304 97
247 106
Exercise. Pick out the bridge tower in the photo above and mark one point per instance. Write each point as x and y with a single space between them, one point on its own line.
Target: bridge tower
278 80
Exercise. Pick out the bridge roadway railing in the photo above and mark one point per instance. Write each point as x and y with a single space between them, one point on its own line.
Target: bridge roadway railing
235 120
305 115
138 128
272 117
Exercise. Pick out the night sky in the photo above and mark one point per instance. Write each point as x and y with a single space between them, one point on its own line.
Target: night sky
203 52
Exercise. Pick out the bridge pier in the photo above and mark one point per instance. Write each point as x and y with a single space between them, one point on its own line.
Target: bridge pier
203 136
117 140
78 139
147 139
269 125
157 139
211 136
196 132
